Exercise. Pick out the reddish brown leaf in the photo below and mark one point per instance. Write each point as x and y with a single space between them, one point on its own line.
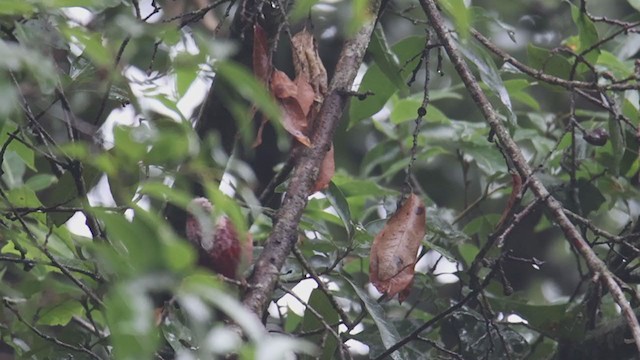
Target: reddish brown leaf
294 120
305 95
327 169
281 85
395 248
258 141
262 67
295 99
261 57
514 198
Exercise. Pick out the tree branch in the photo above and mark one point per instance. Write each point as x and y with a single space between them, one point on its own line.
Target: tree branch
555 208
285 232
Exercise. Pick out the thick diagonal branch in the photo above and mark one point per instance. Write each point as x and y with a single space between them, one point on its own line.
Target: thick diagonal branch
597 267
285 231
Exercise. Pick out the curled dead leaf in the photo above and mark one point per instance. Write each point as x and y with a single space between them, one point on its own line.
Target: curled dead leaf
282 86
262 68
394 250
327 169
294 120
261 57
295 99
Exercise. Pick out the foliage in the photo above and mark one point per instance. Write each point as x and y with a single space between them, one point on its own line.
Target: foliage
100 139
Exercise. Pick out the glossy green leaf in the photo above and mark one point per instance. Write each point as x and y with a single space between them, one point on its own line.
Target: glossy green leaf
310 322
340 204
407 52
387 60
301 9
489 75
130 315
516 91
616 139
41 181
460 14
60 314
406 109
635 4
588 35
388 332
551 63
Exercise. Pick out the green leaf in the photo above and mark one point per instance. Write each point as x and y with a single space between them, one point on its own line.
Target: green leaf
620 69
12 170
25 197
130 315
41 181
93 4
388 332
164 192
460 14
23 151
556 321
340 204
482 225
635 4
548 62
60 314
91 43
387 60
310 322
139 239
587 34
616 139
16 8
476 342
468 252
407 109
490 75
407 52
488 158
516 88
301 9
186 71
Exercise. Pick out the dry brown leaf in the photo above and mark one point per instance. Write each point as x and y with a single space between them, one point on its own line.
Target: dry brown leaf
305 95
262 69
295 99
294 120
308 64
327 169
281 85
261 59
394 250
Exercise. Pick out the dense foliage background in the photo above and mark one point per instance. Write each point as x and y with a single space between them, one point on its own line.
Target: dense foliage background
114 114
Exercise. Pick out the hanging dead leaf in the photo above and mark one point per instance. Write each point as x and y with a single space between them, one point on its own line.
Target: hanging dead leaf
281 85
295 99
294 120
308 64
395 248
262 69
327 169
305 95
261 57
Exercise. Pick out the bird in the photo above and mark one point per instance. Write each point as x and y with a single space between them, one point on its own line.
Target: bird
219 246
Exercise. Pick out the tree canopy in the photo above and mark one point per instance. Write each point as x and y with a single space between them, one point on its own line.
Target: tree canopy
411 179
